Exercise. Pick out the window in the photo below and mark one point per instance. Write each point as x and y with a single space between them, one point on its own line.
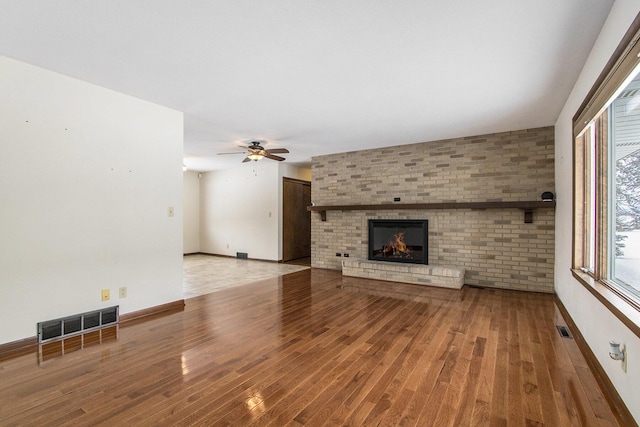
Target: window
624 199
606 236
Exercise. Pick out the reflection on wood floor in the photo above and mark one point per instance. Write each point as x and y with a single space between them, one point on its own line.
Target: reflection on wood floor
60 347
314 348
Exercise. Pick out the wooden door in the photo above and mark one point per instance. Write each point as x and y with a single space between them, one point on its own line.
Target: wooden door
296 219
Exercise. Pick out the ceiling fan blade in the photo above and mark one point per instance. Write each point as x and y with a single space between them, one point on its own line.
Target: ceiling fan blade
278 150
246 159
272 157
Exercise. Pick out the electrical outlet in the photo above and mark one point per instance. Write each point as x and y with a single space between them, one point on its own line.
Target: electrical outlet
122 292
106 295
346 255
338 254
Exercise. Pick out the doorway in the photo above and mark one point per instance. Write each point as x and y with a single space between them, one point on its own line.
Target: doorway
296 219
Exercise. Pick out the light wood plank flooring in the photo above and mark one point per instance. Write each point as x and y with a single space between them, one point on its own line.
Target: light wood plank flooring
314 348
209 273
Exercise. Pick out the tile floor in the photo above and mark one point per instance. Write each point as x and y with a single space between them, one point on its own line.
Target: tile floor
204 274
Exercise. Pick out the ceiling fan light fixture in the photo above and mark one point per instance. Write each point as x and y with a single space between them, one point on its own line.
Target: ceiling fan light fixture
257 152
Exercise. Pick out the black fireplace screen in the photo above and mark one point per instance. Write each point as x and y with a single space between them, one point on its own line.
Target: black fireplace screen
399 240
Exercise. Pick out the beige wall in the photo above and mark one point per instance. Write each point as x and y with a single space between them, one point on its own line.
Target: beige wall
495 246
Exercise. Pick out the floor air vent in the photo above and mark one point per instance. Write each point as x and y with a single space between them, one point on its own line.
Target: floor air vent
77 324
564 331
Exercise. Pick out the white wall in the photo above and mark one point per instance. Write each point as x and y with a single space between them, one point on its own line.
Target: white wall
86 179
241 210
191 209
595 322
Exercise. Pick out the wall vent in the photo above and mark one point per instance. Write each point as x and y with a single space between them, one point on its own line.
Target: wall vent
63 327
564 331
242 255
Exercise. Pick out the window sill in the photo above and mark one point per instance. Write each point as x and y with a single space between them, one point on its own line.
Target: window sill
627 311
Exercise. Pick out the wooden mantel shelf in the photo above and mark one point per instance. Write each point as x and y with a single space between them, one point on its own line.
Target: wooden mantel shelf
527 206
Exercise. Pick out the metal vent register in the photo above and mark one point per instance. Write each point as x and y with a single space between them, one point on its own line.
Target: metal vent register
564 331
64 327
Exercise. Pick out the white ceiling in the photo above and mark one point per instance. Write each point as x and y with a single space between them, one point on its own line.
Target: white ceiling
317 76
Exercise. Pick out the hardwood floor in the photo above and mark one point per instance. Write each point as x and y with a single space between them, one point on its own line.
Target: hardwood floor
314 348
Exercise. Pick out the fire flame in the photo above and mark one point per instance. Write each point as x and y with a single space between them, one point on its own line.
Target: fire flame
397 246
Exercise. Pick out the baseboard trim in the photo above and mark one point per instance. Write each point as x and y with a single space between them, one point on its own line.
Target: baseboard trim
151 312
233 257
30 345
611 394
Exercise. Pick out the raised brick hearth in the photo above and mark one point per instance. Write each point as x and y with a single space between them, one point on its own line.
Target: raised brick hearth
419 274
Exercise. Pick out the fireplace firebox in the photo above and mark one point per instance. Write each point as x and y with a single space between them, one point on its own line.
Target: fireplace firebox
399 240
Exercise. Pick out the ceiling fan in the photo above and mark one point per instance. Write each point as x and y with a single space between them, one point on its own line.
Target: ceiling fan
256 152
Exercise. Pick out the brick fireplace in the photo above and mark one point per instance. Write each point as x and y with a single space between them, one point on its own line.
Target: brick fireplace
494 246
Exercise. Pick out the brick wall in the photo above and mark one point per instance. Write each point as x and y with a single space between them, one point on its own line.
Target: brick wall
495 246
